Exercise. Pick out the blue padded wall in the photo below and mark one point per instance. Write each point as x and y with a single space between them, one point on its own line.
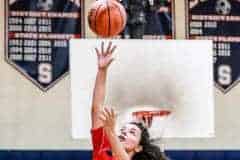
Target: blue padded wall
86 155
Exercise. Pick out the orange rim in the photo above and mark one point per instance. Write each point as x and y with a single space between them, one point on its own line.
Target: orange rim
152 113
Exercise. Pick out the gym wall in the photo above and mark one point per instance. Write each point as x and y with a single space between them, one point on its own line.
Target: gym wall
35 120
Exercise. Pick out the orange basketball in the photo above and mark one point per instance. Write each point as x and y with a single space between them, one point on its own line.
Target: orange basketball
107 18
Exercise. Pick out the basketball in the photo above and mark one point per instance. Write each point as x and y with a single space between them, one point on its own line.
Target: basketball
107 18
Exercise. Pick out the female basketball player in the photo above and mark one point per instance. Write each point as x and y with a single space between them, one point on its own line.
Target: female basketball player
133 142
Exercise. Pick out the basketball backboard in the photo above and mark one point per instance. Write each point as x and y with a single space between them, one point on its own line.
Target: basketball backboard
175 75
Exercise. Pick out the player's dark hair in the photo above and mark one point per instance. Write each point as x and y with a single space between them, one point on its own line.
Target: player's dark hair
149 150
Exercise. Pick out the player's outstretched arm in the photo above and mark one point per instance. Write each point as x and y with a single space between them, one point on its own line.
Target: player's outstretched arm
105 58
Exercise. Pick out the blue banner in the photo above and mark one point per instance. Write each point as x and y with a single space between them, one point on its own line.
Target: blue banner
218 20
37 34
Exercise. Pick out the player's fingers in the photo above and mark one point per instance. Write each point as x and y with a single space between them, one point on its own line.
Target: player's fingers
105 113
102 117
108 112
102 48
110 61
113 49
108 48
113 114
97 51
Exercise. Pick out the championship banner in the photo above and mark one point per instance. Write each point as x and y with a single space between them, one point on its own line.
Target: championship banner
37 34
218 20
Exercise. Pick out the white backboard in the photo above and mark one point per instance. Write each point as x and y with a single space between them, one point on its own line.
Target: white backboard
171 74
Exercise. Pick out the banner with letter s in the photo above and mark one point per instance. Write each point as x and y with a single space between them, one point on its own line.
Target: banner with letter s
37 34
218 20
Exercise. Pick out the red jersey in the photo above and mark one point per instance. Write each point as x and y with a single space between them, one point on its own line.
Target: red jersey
101 145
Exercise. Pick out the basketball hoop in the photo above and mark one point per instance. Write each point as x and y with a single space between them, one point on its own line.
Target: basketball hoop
148 117
160 113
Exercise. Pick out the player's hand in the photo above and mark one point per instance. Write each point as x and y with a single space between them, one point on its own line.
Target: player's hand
105 57
108 118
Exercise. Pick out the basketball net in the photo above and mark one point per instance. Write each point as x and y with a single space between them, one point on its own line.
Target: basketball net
156 121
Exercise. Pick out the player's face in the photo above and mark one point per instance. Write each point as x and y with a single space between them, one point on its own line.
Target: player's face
130 136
